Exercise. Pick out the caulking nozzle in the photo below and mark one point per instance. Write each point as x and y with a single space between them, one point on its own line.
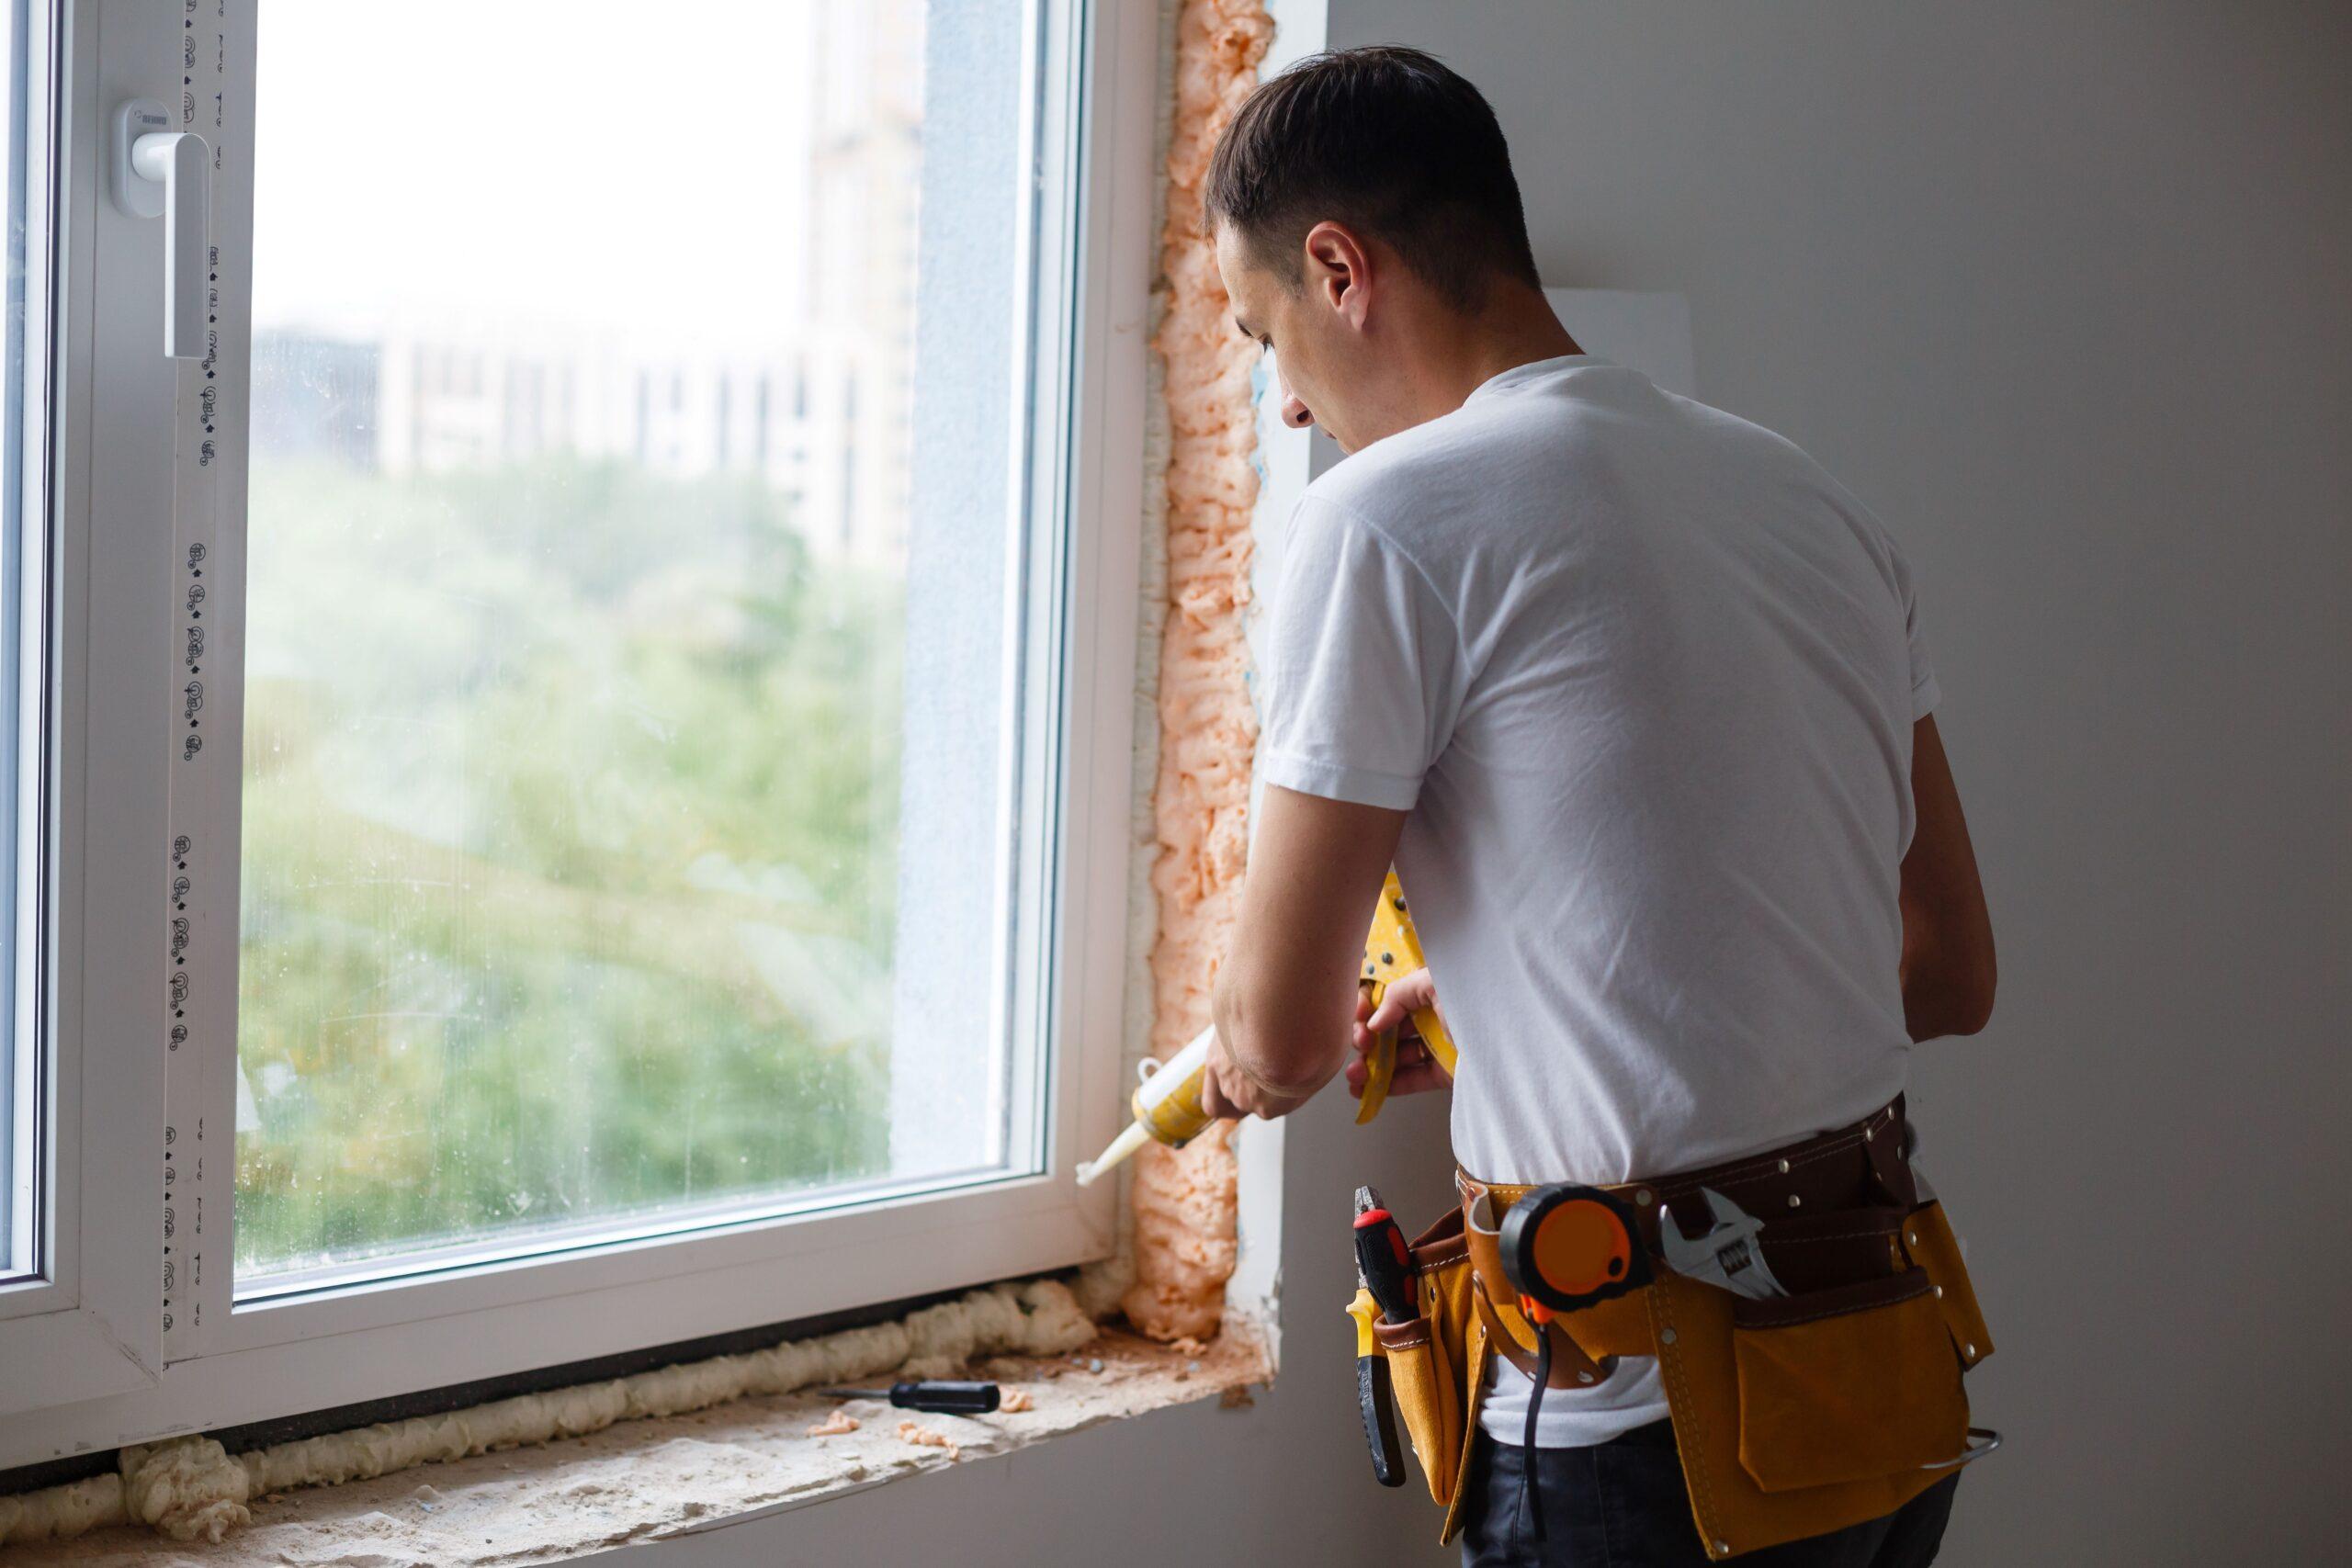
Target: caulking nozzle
1126 1144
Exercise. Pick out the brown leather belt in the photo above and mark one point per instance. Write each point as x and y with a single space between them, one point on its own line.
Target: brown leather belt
1831 1205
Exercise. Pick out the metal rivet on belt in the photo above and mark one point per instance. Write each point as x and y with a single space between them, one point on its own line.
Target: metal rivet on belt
1722 1549
1939 1291
1866 1134
1784 1168
1911 1236
1644 1196
1584 1377
1970 1352
1795 1201
1665 1336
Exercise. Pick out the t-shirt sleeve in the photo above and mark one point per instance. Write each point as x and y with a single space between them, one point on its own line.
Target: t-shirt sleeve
1925 691
1361 657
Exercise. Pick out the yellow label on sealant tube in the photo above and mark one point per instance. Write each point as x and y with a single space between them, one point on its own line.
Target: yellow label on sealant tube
1167 1107
1168 1102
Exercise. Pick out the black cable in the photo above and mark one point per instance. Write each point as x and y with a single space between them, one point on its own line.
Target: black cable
1531 1498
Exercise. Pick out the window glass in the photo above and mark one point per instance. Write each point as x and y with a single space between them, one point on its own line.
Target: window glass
577 625
20 665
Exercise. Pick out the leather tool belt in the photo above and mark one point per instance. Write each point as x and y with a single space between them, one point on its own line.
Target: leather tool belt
1794 1415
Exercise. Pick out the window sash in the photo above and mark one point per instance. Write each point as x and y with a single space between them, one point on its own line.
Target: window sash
24 1057
91 1326
1078 472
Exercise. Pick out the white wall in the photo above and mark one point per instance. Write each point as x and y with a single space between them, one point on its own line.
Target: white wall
2065 294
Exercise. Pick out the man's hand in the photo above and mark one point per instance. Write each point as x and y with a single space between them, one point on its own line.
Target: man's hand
1417 1070
1948 969
1228 1093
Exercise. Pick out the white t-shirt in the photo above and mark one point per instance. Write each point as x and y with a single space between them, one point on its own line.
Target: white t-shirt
1644 677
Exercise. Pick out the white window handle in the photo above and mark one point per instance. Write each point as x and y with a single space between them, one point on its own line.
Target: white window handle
168 173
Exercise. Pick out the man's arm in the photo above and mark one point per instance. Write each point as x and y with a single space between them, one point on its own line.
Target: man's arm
1947 970
1285 1002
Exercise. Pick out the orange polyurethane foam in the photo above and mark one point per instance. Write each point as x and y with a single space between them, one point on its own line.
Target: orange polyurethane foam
1184 1199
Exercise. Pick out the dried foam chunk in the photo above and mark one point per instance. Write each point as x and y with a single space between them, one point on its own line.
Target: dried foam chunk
187 1488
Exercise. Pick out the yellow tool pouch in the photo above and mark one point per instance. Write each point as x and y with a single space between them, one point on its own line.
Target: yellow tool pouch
1845 1384
1431 1360
1797 1415
1930 1245
1824 1414
1794 1415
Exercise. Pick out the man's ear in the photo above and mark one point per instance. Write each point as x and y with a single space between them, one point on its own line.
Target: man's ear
1340 271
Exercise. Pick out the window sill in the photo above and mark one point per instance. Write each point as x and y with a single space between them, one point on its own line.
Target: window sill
654 1479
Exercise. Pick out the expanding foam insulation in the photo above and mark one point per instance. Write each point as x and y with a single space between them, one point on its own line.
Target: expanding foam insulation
1184 1199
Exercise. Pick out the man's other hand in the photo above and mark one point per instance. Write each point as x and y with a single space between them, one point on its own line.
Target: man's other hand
1417 1070
1227 1093
1947 970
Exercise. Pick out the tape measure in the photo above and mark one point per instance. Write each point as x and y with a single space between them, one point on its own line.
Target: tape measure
1566 1248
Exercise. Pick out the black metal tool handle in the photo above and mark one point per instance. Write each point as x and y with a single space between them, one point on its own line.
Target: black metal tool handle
1384 1267
944 1398
1379 1404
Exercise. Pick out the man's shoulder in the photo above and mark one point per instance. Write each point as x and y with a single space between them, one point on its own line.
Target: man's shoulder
1402 482
1365 484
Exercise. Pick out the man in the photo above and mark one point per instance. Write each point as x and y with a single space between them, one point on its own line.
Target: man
1633 693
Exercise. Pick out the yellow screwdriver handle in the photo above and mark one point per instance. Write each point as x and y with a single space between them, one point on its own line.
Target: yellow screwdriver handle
1380 1068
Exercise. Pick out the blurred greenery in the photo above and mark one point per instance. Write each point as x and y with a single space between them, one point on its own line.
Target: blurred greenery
570 854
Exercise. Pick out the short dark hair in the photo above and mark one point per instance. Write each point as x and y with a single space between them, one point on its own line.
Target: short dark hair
1390 141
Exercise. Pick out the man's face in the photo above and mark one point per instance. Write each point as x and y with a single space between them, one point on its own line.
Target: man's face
1313 342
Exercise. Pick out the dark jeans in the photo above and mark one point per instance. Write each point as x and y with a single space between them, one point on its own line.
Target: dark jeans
1622 1505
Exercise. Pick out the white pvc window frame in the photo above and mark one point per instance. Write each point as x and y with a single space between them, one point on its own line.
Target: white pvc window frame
107 1346
89 1325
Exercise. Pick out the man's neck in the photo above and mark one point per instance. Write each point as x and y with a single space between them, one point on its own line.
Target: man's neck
1457 354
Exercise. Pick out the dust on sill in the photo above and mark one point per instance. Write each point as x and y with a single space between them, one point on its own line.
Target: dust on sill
641 1481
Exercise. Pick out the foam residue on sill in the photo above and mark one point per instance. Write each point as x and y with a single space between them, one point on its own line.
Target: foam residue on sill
190 1489
650 1480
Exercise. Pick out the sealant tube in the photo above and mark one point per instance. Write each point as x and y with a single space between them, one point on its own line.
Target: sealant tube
1167 1105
